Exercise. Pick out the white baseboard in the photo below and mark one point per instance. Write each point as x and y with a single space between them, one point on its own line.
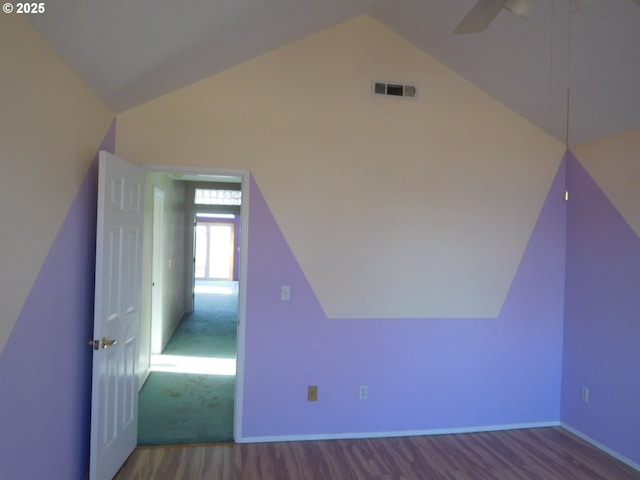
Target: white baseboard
143 378
403 433
600 446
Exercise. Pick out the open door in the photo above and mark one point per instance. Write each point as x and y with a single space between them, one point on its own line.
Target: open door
114 401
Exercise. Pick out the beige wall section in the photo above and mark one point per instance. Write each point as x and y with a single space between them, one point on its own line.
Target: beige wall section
51 126
393 207
173 266
614 163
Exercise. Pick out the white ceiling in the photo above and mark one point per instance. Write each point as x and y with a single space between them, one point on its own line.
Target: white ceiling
131 51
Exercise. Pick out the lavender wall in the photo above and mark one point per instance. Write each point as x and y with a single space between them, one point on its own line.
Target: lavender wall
422 374
45 368
602 319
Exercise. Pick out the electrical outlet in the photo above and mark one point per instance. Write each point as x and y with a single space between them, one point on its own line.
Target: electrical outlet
285 293
585 394
312 393
364 392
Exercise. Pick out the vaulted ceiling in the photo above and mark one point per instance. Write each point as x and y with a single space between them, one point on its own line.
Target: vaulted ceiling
132 51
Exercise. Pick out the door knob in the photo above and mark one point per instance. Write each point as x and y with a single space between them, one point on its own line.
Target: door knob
105 343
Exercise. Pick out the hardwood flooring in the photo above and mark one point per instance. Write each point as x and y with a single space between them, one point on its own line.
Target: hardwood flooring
540 454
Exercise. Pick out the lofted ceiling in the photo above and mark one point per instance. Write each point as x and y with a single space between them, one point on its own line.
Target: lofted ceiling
132 51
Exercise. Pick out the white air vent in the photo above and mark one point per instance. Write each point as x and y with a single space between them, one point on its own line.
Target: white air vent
394 89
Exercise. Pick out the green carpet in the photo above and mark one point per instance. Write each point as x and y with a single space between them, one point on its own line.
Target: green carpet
180 408
210 331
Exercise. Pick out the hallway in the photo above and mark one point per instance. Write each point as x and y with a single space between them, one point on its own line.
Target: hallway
189 396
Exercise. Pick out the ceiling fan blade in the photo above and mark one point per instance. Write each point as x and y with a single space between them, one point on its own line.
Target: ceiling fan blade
480 16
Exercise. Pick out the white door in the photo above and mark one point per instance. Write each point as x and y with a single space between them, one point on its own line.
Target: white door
114 401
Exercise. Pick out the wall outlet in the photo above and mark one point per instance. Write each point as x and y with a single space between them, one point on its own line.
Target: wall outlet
585 394
364 392
312 393
285 293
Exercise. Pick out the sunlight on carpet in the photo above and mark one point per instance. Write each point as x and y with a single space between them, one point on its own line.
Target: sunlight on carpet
200 365
215 289
189 395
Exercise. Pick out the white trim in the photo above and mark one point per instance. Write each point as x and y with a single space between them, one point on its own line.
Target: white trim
192 170
157 342
602 447
242 306
143 378
403 433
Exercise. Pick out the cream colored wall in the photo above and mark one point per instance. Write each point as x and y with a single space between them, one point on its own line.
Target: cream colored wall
614 164
51 126
173 265
393 207
174 249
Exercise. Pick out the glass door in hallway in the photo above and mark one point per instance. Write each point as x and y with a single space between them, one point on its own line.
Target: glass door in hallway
215 247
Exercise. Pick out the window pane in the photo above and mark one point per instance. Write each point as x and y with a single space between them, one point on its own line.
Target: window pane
221 251
205 196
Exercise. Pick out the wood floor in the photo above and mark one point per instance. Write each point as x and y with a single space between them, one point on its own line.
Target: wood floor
541 454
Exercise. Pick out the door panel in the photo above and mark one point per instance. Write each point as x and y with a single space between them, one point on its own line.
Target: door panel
114 407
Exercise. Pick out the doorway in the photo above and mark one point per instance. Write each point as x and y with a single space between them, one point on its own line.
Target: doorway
194 360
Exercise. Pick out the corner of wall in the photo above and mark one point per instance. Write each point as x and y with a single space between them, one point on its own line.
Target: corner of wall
600 350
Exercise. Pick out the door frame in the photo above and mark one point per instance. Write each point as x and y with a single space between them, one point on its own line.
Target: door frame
184 172
157 273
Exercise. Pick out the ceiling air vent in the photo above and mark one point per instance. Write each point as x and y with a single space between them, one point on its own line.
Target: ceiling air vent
394 89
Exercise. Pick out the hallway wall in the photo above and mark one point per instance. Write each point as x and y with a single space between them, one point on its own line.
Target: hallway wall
173 266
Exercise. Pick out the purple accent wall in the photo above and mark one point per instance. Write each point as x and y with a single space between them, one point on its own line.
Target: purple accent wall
45 367
421 373
602 319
